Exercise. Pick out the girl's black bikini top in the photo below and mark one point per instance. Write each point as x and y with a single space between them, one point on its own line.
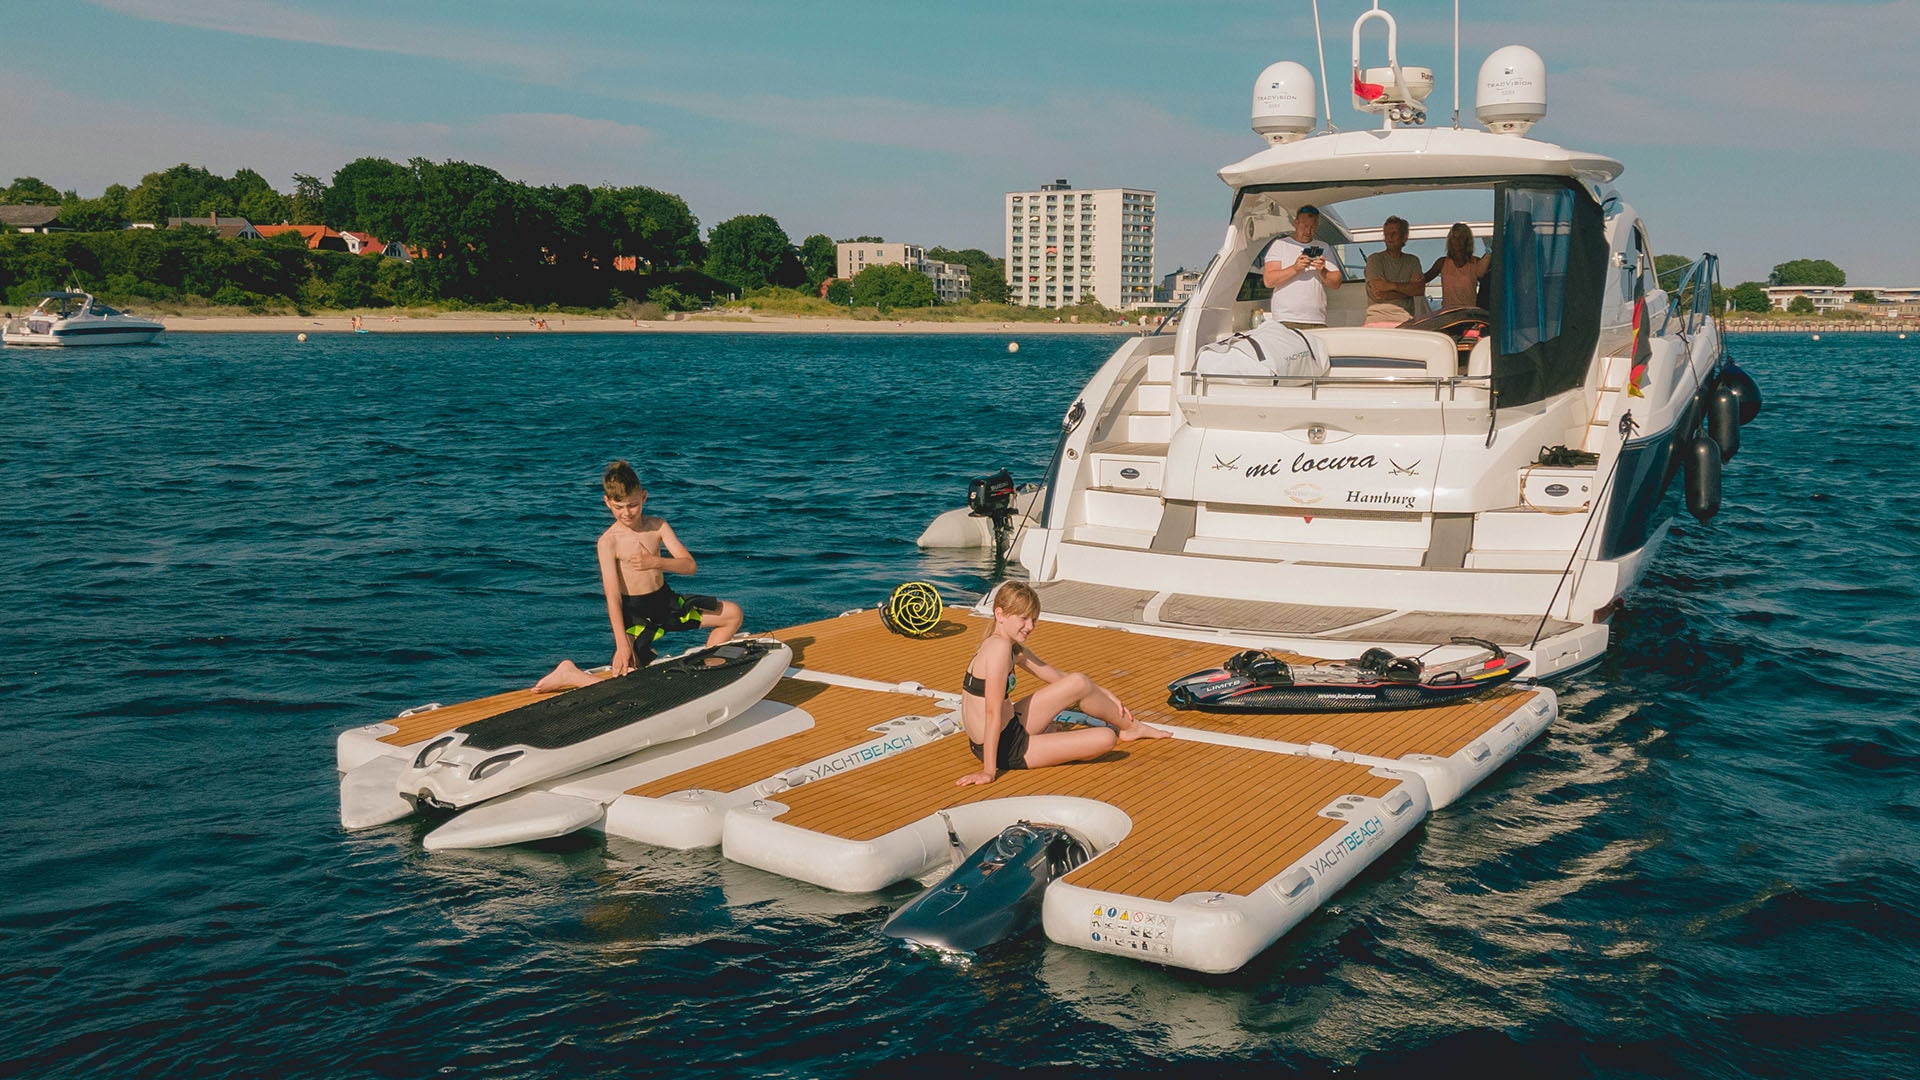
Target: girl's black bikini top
976 686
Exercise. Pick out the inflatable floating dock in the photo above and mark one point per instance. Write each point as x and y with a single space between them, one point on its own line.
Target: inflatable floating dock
1205 848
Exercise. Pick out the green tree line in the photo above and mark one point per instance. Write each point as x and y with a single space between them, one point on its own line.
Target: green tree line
1751 296
478 238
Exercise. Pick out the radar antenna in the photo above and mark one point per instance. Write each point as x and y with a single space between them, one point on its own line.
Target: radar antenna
1396 92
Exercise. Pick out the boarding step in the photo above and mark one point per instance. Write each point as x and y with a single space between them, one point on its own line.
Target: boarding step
1524 528
1160 368
1111 536
1606 410
1151 398
1130 449
1109 560
1516 559
1289 551
1123 508
1132 472
1149 427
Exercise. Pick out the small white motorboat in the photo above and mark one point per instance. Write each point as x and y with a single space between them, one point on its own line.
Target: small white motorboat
70 319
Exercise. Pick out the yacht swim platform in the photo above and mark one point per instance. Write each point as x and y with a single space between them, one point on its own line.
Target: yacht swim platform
844 777
1176 611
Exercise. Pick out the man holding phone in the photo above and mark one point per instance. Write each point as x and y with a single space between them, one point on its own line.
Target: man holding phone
1300 270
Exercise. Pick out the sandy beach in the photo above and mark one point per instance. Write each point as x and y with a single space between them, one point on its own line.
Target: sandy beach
697 322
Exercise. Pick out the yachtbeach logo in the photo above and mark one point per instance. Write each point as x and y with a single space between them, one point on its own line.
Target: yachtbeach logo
859 755
1347 844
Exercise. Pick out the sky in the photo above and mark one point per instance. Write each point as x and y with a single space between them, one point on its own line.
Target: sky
1748 129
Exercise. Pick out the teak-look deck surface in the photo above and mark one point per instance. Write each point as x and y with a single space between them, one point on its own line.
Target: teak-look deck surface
1137 668
1205 818
843 717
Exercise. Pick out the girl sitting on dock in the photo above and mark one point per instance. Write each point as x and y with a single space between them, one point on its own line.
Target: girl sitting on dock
1022 734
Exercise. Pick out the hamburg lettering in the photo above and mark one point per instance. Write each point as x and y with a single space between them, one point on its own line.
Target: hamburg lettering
1380 498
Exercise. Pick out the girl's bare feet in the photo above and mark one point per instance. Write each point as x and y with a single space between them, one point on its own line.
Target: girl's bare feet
1137 730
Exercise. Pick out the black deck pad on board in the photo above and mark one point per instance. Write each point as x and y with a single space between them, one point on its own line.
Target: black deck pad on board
574 716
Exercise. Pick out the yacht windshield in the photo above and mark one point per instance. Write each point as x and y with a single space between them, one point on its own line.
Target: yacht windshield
1549 270
1533 291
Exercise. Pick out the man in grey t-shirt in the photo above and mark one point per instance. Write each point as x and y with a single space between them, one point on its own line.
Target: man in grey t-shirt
1396 283
1300 270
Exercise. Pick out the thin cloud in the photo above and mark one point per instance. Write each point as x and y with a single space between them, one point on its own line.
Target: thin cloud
532 60
128 140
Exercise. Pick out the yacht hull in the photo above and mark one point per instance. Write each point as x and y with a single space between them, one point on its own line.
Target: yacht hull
78 337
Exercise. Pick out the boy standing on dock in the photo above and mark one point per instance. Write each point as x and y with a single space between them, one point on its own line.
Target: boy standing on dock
633 568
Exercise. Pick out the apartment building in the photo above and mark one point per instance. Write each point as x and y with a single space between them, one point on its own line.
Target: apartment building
1064 246
952 282
1889 300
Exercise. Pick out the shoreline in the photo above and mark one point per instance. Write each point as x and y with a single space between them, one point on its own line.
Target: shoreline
736 323
491 323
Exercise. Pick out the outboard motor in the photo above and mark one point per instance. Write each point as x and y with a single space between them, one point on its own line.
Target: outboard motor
994 894
991 497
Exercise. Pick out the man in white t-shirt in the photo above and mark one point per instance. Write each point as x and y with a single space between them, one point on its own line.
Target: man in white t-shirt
1300 270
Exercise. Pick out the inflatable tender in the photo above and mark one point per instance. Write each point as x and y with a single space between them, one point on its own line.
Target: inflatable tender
578 729
962 528
1257 682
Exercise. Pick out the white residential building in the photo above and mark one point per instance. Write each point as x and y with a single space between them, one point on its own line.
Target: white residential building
1176 287
952 282
1889 300
1065 245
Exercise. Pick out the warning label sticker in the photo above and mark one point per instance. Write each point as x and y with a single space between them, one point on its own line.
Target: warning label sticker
1131 930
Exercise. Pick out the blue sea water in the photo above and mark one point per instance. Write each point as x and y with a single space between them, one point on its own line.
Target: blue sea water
221 551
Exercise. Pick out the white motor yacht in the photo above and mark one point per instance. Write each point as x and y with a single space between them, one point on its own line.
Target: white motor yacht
70 319
1496 471
1468 490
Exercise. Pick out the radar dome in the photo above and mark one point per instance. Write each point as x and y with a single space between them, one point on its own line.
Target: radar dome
1513 90
1283 107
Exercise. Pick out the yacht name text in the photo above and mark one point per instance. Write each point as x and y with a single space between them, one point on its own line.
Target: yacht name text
1303 464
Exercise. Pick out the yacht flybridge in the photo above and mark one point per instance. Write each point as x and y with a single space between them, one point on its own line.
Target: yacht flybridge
1494 471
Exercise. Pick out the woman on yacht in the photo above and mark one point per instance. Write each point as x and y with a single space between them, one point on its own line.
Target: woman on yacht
1023 734
1459 272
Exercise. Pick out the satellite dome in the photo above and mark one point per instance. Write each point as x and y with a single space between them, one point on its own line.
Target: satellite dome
1513 90
1283 108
